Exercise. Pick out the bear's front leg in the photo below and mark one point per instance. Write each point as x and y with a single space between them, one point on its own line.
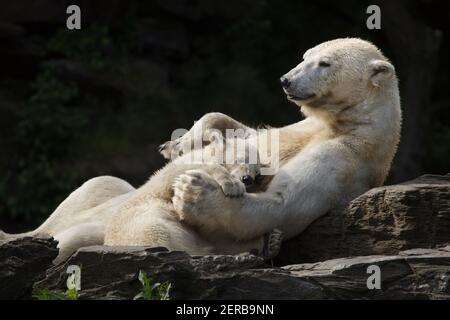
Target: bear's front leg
195 193
199 201
230 185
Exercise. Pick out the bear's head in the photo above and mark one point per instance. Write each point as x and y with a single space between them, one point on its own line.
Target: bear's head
245 165
238 155
338 74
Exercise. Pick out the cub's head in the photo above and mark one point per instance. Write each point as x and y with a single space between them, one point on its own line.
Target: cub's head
246 166
239 156
337 74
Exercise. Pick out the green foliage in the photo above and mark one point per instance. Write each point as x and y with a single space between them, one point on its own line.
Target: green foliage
46 294
47 126
85 47
152 291
72 294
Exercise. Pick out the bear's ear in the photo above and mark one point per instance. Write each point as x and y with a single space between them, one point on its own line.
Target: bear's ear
379 71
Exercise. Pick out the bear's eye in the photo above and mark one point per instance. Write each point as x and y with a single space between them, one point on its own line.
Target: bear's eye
324 64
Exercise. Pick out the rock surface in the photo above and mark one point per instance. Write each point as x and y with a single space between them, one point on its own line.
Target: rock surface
384 220
112 273
381 227
22 262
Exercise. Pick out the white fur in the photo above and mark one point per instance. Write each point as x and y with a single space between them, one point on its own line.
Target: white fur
344 147
107 210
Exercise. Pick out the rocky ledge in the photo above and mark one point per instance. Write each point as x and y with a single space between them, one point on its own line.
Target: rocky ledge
23 262
112 273
382 221
330 260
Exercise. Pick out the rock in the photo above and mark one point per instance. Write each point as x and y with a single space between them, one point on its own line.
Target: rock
382 227
22 262
412 274
112 273
383 221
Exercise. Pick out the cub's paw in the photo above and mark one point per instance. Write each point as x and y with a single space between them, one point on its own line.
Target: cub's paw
272 244
231 186
194 192
176 148
171 149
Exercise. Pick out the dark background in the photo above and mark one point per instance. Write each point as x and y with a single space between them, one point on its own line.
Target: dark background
77 104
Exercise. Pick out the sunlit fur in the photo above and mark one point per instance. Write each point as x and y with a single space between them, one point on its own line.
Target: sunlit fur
107 210
343 148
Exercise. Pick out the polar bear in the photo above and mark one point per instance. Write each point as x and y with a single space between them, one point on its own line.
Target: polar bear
149 217
348 91
349 94
146 216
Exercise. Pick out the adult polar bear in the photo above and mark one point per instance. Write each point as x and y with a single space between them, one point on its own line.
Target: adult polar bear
349 93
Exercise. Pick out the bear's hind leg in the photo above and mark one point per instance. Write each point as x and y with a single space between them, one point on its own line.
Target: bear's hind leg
78 236
92 193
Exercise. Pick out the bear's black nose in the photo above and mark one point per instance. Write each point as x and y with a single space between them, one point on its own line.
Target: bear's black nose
285 83
247 180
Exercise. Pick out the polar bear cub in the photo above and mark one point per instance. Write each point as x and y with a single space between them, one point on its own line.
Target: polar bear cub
146 216
149 218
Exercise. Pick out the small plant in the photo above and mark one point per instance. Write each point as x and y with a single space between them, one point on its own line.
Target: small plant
73 286
73 282
150 291
72 294
46 294
156 291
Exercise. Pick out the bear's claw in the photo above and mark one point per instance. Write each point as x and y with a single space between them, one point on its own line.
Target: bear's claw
272 244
